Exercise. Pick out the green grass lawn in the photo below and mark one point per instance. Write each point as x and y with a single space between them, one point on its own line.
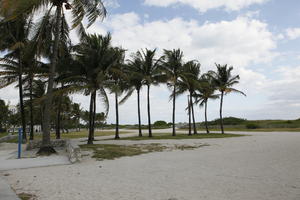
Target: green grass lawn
3 134
168 136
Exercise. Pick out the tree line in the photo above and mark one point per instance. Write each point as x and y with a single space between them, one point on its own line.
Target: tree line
42 51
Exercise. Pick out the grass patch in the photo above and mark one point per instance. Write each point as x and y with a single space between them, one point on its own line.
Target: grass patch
3 134
14 140
72 135
167 136
112 151
82 134
254 130
26 196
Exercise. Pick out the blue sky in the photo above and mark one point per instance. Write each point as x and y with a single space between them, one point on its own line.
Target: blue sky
259 38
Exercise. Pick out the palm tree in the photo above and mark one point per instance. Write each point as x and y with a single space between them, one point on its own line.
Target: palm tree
38 94
118 82
152 75
77 114
14 38
80 8
223 80
90 72
204 92
188 82
32 69
133 71
172 63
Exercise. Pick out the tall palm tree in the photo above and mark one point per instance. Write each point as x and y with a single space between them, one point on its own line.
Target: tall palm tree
172 63
152 74
90 9
94 56
188 82
204 92
14 38
133 71
118 82
223 80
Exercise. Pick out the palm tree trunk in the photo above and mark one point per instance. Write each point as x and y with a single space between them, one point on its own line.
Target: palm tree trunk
23 120
193 115
206 126
42 117
149 115
221 108
90 138
189 110
117 116
174 104
22 109
58 118
94 116
46 145
31 137
139 113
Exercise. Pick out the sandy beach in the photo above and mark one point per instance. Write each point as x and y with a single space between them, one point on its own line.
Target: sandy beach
262 166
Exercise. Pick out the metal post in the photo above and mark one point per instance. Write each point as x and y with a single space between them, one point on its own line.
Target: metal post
20 143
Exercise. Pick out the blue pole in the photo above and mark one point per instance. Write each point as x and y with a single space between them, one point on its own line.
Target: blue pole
20 143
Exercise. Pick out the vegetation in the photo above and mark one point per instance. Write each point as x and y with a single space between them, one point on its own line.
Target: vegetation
111 151
238 124
3 135
165 136
26 196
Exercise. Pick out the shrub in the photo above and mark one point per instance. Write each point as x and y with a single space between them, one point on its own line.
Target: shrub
252 126
160 123
228 121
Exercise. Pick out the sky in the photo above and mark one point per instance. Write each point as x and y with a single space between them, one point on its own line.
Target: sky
259 38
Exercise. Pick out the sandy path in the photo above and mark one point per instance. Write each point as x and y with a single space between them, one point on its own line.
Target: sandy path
265 166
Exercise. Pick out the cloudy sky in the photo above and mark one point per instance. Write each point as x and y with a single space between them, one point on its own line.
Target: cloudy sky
259 38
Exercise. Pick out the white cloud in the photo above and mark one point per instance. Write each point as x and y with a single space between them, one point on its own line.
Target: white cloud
239 42
205 5
293 33
111 3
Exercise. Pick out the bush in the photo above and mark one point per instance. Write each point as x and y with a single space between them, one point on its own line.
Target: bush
160 123
252 126
228 121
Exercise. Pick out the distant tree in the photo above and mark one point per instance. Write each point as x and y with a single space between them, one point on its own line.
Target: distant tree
4 113
160 123
77 114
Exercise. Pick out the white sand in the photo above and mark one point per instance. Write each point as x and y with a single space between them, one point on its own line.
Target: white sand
265 166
